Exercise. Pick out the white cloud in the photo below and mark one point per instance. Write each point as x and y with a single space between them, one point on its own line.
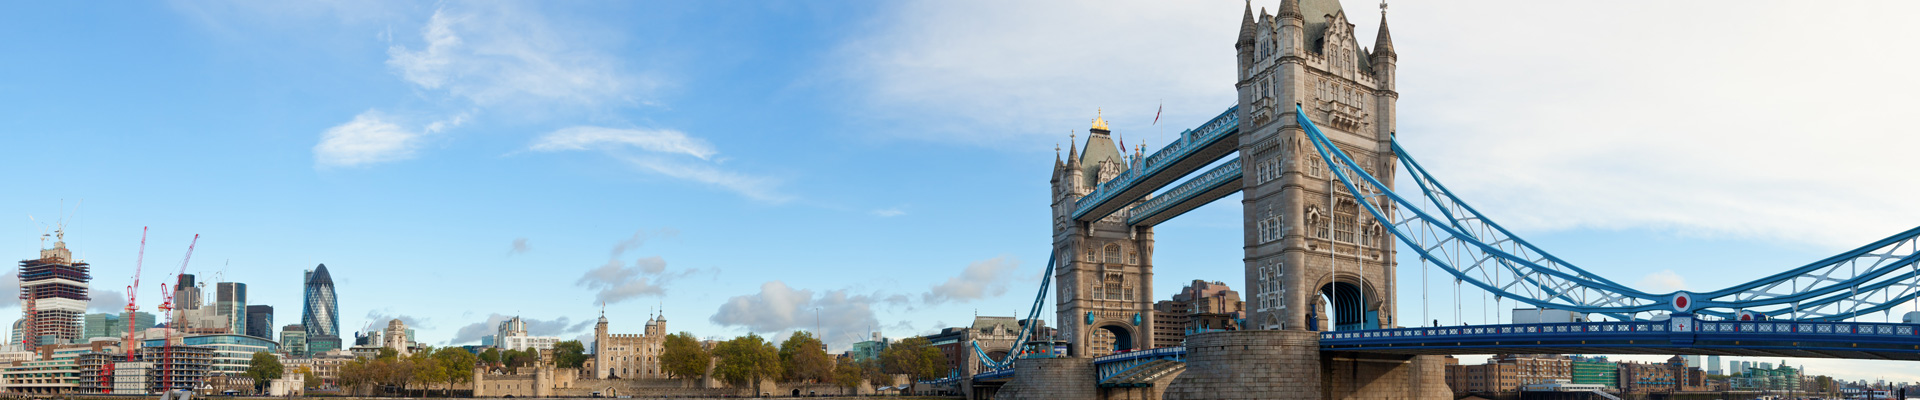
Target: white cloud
664 152
1021 73
471 333
889 212
370 138
616 282
979 280
1662 281
666 141
1669 121
754 187
497 53
778 310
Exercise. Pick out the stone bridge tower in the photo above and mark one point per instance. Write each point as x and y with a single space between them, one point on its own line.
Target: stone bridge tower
1307 242
1103 271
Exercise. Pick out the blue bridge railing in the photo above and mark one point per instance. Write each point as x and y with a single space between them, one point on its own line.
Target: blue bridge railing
1190 141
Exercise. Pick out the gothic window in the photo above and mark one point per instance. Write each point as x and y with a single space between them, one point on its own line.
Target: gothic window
1113 253
1345 222
1090 257
1314 166
1133 257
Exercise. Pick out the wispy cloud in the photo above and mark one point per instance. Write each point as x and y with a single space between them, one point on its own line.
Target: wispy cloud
1662 281
370 138
662 152
561 326
494 53
778 309
665 141
889 212
981 279
755 187
617 280
520 246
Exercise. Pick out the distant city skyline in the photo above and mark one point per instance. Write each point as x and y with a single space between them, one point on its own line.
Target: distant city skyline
881 164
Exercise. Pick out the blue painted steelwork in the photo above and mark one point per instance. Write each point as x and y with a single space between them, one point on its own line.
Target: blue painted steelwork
1190 143
1118 364
1188 191
1823 339
1046 279
1477 251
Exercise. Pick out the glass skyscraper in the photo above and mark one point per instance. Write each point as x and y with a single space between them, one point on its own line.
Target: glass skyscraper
321 315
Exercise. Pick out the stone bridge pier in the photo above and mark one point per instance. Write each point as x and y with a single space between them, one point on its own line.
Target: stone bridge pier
1288 364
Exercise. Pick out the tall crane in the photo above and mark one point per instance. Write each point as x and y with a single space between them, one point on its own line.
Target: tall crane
166 306
133 291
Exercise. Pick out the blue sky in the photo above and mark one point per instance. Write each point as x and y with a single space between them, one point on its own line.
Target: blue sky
741 163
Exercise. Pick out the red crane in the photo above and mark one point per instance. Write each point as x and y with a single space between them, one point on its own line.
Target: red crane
133 291
166 306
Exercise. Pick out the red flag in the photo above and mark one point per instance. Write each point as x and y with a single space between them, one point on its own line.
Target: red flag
1123 142
1156 113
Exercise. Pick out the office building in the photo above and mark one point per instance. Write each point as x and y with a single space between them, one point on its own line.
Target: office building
1713 365
186 295
512 335
321 313
53 295
232 353
232 305
260 322
106 325
1200 307
293 341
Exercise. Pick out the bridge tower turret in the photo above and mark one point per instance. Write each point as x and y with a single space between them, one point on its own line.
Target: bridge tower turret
1103 274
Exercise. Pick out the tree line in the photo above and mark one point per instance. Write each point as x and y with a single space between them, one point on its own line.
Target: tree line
751 359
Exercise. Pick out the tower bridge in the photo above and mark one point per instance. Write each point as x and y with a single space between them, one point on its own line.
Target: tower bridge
1310 147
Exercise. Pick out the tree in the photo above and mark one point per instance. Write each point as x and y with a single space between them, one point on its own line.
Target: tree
456 365
264 367
306 374
386 354
914 357
804 358
426 370
491 356
683 357
847 375
569 354
747 360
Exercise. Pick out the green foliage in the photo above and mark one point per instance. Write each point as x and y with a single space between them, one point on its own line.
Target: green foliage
313 380
747 360
914 357
386 354
491 356
570 354
456 365
847 375
804 358
264 367
683 357
517 358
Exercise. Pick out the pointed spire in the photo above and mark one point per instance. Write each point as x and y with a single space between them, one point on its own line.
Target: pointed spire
1383 42
1291 9
1073 149
1246 27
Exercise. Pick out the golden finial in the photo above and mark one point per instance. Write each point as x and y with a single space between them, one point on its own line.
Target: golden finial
1099 122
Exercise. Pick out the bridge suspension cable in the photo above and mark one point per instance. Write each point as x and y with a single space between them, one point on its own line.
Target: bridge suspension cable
1476 251
1027 329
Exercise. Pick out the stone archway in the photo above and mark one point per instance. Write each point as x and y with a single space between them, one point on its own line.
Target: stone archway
1124 338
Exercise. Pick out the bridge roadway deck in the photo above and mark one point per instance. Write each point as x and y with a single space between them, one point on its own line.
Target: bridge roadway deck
1818 339
1195 149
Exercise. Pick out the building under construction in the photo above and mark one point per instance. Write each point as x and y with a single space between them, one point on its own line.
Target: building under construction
53 296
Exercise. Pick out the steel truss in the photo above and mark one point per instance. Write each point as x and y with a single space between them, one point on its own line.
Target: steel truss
1477 251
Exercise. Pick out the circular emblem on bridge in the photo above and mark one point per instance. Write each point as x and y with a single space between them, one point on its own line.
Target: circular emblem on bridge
1682 302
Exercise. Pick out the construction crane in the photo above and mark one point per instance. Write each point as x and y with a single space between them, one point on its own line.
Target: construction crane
166 306
133 291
